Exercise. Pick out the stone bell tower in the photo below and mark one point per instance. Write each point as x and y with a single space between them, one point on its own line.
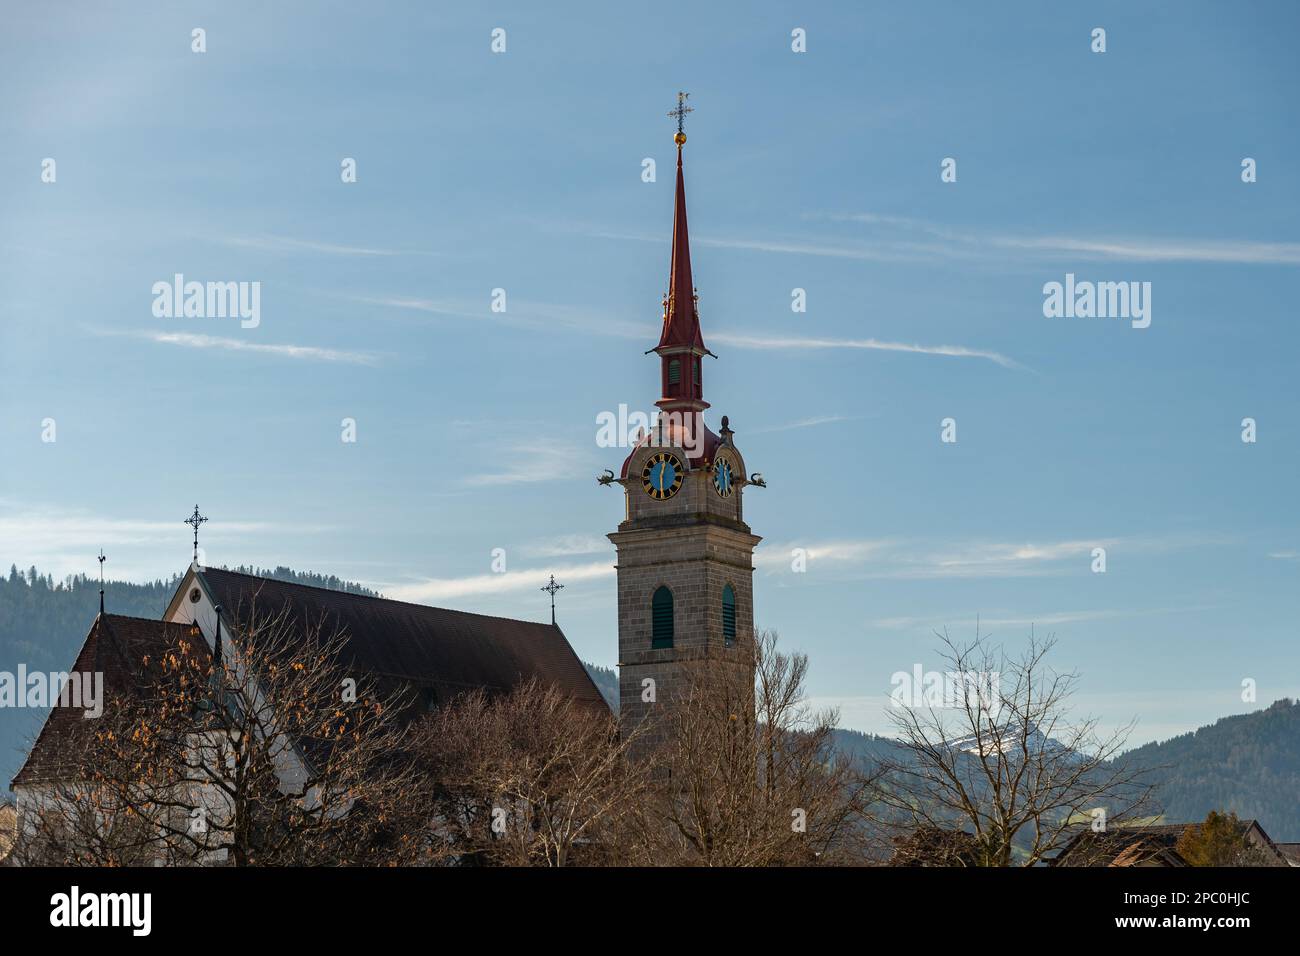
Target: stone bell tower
685 555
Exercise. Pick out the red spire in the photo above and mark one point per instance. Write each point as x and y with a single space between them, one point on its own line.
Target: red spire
681 347
681 321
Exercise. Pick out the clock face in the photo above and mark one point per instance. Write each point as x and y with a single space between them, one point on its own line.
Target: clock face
662 476
724 477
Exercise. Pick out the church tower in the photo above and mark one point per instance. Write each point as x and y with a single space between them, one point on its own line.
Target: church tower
685 555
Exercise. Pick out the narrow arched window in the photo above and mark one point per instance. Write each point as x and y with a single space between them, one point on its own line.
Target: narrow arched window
728 615
674 372
661 618
699 382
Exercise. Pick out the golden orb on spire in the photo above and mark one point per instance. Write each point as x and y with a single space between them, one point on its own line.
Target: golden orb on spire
679 114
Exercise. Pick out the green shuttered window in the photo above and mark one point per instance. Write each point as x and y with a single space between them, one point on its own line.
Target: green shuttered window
728 614
662 618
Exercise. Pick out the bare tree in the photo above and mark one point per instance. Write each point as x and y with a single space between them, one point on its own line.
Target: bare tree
529 777
747 775
992 751
79 824
273 753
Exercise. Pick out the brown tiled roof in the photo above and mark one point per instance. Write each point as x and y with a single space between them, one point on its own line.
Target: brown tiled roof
438 651
1148 851
1087 848
935 846
431 648
1290 851
116 647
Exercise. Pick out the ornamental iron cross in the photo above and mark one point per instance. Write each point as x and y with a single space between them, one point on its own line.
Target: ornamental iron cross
551 589
682 109
194 521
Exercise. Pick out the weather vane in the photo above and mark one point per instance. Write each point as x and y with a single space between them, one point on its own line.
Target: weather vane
102 559
194 521
551 589
680 114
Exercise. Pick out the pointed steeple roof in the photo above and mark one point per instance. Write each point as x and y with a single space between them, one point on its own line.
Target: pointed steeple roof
681 320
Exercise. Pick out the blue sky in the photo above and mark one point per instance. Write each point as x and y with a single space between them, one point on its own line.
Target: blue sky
522 171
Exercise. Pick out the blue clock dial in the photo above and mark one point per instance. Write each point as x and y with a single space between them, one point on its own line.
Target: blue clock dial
662 476
724 478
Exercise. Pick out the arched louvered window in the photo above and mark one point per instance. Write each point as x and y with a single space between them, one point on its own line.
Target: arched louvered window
674 372
661 618
699 382
728 615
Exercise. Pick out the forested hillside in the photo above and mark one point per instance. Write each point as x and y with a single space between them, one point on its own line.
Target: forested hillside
1249 763
606 680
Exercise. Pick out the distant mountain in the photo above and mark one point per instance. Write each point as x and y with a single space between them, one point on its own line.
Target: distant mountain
1036 742
1249 764
866 749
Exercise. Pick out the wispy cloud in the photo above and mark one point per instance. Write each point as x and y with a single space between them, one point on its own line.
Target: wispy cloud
997 559
60 529
823 248
1126 248
429 306
524 314
905 239
543 316
822 552
444 589
567 545
286 244
528 463
1160 250
786 342
63 541
1020 619
921 560
804 423
195 340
